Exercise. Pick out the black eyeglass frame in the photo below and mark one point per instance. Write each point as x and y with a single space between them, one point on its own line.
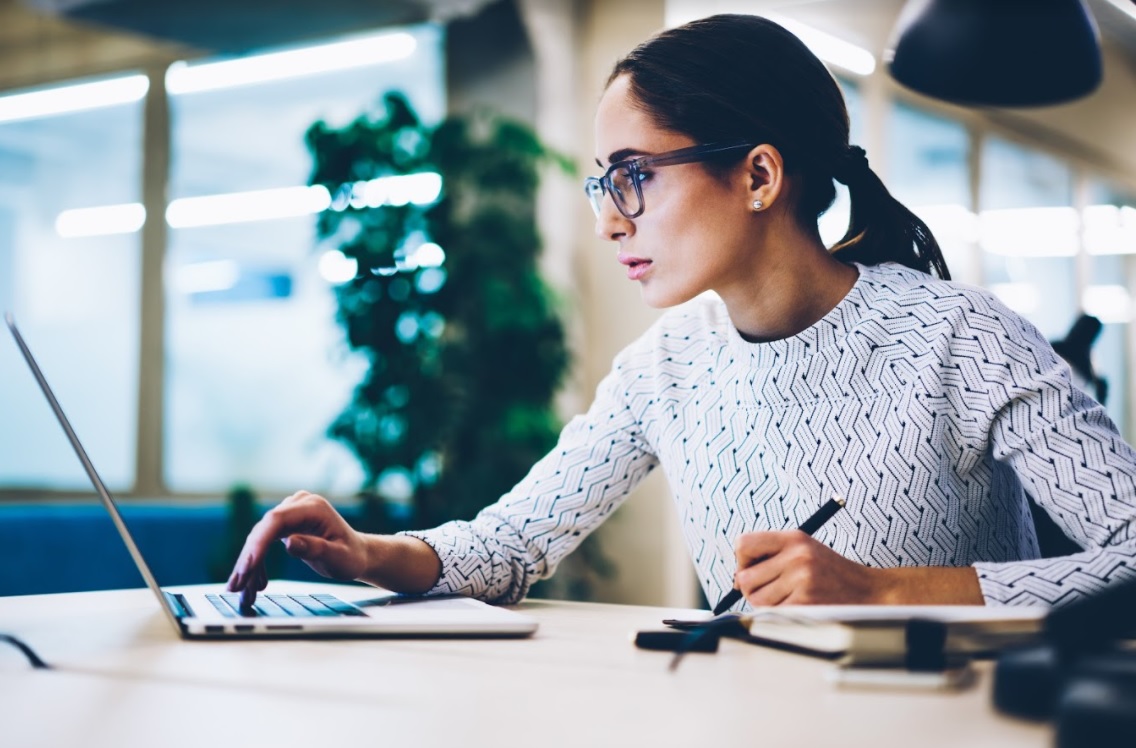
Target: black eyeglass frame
636 165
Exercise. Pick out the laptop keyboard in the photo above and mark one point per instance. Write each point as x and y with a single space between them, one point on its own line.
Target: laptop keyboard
284 606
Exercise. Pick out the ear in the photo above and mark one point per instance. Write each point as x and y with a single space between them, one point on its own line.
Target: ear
764 175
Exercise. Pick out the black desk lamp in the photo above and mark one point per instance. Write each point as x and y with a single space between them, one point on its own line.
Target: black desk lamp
1006 53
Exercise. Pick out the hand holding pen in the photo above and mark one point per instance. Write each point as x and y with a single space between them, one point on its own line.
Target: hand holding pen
758 563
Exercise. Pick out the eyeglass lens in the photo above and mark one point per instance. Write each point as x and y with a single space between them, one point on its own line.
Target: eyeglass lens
595 192
622 188
624 192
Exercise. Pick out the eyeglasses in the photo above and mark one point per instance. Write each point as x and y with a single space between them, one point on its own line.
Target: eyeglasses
624 179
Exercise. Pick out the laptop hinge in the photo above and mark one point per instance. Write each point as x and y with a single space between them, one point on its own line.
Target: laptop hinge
179 604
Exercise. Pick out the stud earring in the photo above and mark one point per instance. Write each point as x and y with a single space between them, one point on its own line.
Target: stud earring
757 205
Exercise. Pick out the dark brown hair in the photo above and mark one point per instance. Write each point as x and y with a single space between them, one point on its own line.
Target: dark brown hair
730 77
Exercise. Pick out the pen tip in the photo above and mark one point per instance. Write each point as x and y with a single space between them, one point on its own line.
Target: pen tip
838 499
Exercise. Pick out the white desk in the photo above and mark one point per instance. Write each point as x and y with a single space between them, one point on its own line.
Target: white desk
123 678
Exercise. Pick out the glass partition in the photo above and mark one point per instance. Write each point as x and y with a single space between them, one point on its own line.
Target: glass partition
70 211
929 172
1110 242
833 223
255 364
1029 234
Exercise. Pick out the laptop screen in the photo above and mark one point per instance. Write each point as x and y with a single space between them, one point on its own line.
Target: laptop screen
100 487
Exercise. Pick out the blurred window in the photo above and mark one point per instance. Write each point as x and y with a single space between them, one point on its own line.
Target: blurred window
256 367
833 223
1029 234
929 172
255 364
73 288
1110 241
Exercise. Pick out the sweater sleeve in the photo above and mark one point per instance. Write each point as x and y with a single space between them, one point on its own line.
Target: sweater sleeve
1069 456
599 458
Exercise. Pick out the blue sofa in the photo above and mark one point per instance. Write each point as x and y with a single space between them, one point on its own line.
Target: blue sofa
74 547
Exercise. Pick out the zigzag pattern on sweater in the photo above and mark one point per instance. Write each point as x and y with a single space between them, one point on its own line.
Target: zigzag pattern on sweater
927 404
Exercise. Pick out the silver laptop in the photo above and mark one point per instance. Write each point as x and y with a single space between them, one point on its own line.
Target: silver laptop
295 609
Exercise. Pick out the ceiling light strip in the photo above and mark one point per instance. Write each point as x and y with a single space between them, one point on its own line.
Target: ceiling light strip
186 78
259 205
832 49
78 97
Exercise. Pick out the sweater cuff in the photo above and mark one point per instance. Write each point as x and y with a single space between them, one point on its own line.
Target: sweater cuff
1053 581
463 572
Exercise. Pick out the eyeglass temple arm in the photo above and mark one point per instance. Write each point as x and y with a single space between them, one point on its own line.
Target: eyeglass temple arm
689 154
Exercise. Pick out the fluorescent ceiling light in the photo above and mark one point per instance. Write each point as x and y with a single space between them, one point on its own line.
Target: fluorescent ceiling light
258 205
102 221
827 47
1030 232
76 98
241 207
1125 6
1110 230
832 49
183 78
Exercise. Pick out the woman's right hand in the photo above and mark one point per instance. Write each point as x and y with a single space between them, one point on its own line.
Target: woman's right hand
312 531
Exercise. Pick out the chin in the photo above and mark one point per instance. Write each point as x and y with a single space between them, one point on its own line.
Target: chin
664 298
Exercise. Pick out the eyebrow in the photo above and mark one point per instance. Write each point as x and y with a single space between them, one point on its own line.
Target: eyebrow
621 155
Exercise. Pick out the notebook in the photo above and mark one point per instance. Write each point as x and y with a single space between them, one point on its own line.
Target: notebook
293 610
879 633
882 634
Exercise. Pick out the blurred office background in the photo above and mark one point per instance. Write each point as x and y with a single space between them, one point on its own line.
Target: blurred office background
201 352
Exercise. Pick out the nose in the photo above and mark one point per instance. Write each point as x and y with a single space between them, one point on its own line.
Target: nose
610 223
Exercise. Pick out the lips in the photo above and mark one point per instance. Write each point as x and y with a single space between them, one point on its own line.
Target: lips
637 267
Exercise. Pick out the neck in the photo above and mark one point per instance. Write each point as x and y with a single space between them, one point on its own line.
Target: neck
795 285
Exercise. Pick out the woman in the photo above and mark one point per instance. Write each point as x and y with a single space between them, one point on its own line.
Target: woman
928 405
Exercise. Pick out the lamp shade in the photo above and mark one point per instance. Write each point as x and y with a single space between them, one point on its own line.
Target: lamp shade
1010 53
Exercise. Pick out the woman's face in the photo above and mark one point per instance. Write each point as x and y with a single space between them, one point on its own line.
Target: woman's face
696 231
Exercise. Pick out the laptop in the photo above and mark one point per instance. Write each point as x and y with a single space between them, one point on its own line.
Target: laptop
296 609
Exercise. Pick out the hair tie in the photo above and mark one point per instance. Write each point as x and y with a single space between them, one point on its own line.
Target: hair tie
853 165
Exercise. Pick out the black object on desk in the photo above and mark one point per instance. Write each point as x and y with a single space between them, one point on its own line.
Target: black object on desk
1083 677
675 641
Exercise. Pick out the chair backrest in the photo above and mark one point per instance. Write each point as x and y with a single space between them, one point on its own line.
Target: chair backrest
1051 538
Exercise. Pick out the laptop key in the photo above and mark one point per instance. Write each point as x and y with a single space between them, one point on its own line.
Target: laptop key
314 606
290 605
233 600
222 607
338 605
266 607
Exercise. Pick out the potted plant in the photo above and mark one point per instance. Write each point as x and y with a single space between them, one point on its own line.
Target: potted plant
465 345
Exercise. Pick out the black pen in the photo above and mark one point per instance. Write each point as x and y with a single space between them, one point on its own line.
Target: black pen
808 527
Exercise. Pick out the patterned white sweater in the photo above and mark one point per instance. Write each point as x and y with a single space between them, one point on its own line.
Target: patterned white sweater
927 404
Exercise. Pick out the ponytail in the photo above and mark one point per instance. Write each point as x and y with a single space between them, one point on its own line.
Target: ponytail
881 229
738 77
